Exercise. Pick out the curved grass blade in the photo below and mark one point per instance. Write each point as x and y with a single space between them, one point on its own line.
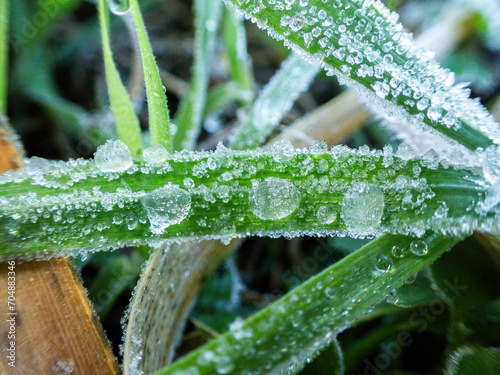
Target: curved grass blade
159 118
361 42
126 120
322 307
190 115
158 308
224 194
471 360
4 54
274 102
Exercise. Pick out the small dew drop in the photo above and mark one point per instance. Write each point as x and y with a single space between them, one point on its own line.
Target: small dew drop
297 22
274 198
119 7
397 252
383 263
166 206
326 215
419 248
113 156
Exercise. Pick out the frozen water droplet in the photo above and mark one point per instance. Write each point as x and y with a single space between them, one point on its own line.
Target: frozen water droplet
297 22
166 206
155 155
329 292
113 156
273 199
362 208
397 252
418 248
383 263
393 297
238 331
326 214
224 365
119 7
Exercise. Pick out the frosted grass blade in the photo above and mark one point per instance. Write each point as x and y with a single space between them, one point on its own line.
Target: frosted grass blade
323 306
126 120
283 192
159 117
190 115
274 102
235 40
361 42
4 53
224 94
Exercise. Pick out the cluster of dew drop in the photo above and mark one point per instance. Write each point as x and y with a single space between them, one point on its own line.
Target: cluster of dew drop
312 191
362 43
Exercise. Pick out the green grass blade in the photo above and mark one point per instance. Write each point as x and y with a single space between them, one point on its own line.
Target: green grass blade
362 43
159 117
224 94
309 317
471 360
4 53
190 115
226 194
274 102
127 122
236 46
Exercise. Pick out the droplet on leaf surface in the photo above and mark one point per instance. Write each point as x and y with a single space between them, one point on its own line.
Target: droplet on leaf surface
274 198
113 156
166 206
362 208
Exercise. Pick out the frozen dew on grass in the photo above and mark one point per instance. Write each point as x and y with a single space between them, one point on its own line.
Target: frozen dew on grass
274 198
326 214
113 156
362 208
166 206
155 155
363 44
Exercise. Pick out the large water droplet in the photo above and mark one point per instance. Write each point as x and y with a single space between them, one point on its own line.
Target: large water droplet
166 206
418 248
113 156
362 208
273 199
326 214
383 263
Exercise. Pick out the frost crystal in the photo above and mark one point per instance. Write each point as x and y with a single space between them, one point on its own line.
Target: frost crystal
273 199
166 206
362 208
113 156
155 155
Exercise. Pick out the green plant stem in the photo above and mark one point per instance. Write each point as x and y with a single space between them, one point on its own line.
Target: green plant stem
235 40
159 117
322 307
127 122
190 115
90 209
